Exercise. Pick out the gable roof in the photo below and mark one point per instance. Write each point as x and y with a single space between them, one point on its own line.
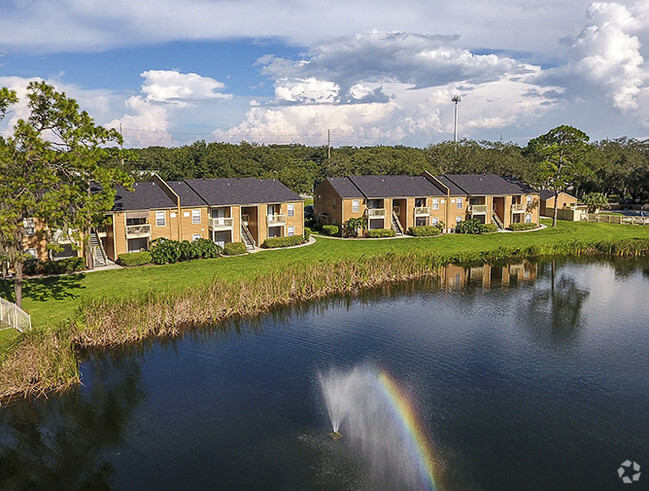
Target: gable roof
477 184
345 187
241 191
395 186
145 196
548 193
454 189
188 196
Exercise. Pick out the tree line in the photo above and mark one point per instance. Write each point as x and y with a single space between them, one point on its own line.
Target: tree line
617 168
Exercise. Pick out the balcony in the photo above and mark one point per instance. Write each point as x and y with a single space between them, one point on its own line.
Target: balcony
61 237
518 207
138 231
276 220
221 223
376 212
422 211
478 209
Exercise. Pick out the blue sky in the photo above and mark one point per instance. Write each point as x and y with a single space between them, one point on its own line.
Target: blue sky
372 72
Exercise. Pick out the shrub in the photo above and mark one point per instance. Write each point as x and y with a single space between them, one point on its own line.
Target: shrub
330 229
130 259
32 265
491 227
471 226
206 248
424 231
307 233
165 251
235 248
380 232
517 227
67 265
353 225
291 240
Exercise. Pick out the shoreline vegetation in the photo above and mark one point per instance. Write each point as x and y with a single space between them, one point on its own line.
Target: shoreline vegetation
105 309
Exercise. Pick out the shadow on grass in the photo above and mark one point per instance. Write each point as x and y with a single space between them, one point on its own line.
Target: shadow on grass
42 289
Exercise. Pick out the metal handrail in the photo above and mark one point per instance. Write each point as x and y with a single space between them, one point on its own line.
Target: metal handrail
218 222
478 209
376 212
141 230
422 210
519 207
276 219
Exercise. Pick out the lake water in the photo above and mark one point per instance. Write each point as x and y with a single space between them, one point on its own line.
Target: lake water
531 376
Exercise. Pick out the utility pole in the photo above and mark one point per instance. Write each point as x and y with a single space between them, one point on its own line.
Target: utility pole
328 144
457 99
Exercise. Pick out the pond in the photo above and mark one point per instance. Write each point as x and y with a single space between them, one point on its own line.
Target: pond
528 376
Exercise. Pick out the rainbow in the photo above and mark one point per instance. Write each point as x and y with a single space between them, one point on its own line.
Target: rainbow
405 413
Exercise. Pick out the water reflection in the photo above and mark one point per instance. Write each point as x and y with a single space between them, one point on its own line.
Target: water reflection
61 442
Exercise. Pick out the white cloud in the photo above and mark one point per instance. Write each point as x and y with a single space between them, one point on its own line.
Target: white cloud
170 86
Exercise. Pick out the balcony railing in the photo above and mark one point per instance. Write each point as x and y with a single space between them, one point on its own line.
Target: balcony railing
518 207
422 210
137 231
221 223
61 237
376 212
275 220
478 209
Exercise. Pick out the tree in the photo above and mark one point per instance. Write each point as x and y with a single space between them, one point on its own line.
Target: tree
560 154
55 166
595 201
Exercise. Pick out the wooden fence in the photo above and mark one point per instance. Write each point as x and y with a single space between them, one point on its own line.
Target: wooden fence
11 316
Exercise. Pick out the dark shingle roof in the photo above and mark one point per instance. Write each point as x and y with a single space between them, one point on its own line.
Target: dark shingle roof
454 189
345 187
477 184
548 193
243 191
188 196
395 186
145 196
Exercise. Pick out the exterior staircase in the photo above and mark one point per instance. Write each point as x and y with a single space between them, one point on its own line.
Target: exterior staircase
396 225
496 220
99 257
247 238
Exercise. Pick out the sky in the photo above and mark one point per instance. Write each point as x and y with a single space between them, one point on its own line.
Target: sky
366 72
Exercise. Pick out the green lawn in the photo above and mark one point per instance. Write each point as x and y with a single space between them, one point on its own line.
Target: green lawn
51 300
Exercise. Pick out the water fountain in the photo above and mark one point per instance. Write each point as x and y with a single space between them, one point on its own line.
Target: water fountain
379 423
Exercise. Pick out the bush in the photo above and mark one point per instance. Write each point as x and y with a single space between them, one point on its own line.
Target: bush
491 227
67 265
235 248
330 229
380 232
165 251
32 265
353 225
471 226
424 231
206 248
517 227
307 233
130 259
291 240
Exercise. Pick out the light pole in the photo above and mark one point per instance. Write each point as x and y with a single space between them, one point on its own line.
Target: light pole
457 99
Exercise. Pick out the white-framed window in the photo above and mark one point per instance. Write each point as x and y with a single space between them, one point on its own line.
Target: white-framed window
458 219
356 206
160 218
528 218
529 200
30 227
435 203
435 221
290 210
196 216
459 203
290 230
196 236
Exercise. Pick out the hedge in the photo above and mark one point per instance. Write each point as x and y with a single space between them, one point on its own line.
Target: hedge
517 227
235 248
330 229
471 226
380 232
130 259
61 266
491 227
307 233
288 241
424 231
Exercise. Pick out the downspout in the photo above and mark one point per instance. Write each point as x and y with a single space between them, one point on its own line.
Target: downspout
442 187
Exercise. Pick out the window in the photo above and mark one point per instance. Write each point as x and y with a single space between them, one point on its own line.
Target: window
459 204
196 216
31 252
172 214
185 214
458 219
435 203
356 206
160 218
421 221
196 237
28 223
528 218
291 210
291 230
435 221
529 200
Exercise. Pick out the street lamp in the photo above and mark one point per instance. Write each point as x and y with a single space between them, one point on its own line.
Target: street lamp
457 99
